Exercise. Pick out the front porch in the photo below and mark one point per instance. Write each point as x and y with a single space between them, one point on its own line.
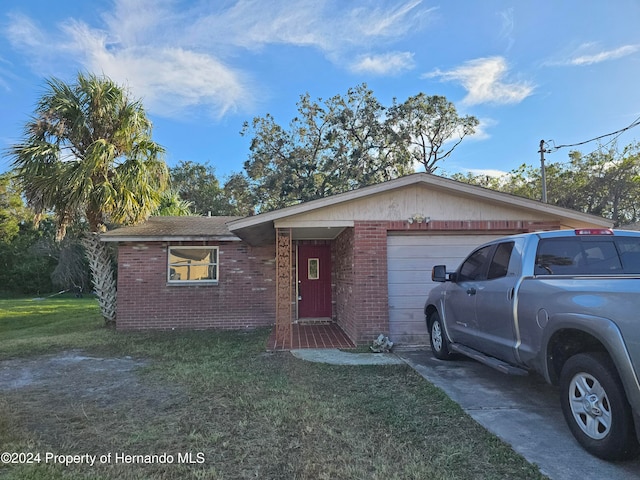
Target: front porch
338 274
311 335
310 290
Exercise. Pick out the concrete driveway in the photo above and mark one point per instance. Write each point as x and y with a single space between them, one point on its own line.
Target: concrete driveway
522 411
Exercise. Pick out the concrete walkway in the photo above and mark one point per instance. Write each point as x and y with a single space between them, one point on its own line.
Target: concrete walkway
334 356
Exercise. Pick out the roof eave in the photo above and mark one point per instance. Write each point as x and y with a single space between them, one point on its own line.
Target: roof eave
170 238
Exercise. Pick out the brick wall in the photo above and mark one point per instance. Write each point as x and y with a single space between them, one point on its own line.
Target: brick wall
244 296
508 227
343 274
370 280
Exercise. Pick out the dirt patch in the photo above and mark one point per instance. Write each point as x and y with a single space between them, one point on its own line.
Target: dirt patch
72 374
49 392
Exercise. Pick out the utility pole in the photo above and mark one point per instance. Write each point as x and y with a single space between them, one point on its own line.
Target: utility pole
544 173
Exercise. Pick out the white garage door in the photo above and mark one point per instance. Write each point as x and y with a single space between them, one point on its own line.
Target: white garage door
410 259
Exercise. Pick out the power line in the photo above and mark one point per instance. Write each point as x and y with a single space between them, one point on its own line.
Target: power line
543 150
635 123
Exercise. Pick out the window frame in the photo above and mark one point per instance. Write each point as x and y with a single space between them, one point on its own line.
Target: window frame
215 264
315 271
482 268
557 256
503 271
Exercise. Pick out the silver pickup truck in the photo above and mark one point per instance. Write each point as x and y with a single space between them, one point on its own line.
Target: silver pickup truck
565 304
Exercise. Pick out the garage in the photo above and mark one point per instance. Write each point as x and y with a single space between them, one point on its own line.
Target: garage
410 259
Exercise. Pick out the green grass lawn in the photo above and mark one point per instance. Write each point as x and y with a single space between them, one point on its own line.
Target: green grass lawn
240 411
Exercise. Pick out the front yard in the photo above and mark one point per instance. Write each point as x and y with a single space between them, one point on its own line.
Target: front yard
216 405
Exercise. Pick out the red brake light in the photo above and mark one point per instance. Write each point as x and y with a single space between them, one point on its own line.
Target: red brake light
594 231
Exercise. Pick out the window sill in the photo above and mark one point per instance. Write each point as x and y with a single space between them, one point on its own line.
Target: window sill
194 283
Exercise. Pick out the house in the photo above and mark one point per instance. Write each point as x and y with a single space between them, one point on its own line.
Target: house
361 259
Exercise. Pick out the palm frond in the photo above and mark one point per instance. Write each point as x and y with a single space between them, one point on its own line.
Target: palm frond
88 151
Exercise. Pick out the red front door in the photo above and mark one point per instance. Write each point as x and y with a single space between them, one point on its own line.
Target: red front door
314 281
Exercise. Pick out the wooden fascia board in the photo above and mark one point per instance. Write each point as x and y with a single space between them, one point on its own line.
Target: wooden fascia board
168 238
292 223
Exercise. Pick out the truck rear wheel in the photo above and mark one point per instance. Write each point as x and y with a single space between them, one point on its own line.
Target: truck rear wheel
438 339
595 407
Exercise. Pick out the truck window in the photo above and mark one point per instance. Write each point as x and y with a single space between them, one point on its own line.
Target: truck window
629 248
475 267
588 256
558 256
500 262
600 256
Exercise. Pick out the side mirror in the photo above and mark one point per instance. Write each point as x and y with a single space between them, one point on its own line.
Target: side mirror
439 273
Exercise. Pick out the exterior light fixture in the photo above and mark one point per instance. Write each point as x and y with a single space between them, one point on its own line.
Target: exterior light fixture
418 218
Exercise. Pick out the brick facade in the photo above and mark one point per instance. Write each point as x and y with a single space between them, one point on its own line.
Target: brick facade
244 296
343 273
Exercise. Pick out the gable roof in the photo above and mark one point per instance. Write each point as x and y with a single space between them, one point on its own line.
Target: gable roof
259 229
174 228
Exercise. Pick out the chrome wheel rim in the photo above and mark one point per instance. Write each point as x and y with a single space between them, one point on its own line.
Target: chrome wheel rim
590 405
436 336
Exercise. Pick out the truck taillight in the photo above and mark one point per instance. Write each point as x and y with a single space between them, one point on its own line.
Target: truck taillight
594 231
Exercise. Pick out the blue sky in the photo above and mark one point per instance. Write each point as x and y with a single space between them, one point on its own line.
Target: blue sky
560 70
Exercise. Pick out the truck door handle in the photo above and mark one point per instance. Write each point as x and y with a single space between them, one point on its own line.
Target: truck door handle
471 291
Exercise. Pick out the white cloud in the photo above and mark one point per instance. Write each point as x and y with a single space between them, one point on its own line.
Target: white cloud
392 63
177 58
5 73
142 21
591 54
327 25
169 79
25 35
391 22
22 29
508 26
252 24
487 172
485 80
482 129
603 56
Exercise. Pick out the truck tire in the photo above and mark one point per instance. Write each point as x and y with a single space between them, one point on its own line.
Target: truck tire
595 407
438 339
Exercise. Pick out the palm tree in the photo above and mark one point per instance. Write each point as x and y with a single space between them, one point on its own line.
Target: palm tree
87 154
171 205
